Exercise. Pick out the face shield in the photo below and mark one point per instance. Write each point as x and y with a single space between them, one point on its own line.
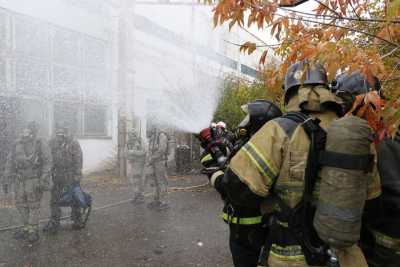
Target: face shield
61 135
27 134
242 128
245 122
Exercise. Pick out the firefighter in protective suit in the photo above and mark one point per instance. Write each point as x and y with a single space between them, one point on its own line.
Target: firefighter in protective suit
28 166
380 238
157 164
66 172
273 165
136 154
381 242
247 233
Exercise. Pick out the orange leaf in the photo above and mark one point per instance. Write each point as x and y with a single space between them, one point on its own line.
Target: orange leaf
215 19
251 18
231 24
277 35
263 57
286 22
251 48
260 21
274 27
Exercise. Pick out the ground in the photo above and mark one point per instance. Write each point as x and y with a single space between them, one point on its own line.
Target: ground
190 233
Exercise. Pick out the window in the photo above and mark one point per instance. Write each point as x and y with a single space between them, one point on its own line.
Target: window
8 119
249 71
32 77
82 120
34 110
3 81
68 114
95 120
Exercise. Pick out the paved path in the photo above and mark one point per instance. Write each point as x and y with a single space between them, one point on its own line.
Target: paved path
190 233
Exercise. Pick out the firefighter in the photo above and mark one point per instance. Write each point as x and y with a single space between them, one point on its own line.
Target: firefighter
66 173
136 153
157 164
380 239
246 229
28 167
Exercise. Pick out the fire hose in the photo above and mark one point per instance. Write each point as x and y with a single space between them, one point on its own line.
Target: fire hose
111 205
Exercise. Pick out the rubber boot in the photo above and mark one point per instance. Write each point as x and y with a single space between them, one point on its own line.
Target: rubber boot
21 234
138 199
154 204
158 205
77 225
33 236
52 227
76 217
163 206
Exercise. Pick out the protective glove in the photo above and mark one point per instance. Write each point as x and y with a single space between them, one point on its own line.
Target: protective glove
45 182
210 165
207 160
5 188
213 172
77 178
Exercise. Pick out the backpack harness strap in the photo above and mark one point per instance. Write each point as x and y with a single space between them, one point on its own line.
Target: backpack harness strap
346 161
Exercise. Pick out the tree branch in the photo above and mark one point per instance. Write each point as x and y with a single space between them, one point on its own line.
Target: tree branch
341 18
256 37
393 79
342 27
354 11
257 46
391 74
390 53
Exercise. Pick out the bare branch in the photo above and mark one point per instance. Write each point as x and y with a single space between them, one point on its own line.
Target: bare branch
354 11
256 37
293 4
341 18
393 79
342 27
257 46
391 74
390 53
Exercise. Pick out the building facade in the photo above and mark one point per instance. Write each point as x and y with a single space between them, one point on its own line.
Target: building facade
60 61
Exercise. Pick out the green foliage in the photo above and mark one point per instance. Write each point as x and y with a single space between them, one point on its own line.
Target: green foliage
237 92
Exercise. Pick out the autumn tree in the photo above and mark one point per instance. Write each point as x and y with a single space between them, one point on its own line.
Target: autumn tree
344 35
237 92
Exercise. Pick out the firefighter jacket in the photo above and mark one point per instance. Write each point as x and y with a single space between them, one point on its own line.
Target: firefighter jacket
67 159
29 160
159 147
